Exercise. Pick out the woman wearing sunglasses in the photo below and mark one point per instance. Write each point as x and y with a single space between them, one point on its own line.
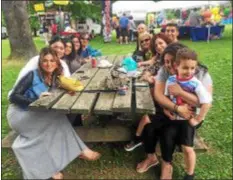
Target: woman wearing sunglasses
144 52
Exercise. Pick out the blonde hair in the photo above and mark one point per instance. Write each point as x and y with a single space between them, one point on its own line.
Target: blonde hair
144 35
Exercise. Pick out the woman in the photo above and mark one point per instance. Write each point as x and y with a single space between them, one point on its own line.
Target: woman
144 53
87 50
171 134
47 143
58 46
71 57
158 43
77 44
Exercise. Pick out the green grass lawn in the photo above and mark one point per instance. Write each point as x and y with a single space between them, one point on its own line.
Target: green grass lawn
118 164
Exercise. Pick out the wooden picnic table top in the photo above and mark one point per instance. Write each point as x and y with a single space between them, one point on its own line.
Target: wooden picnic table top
98 102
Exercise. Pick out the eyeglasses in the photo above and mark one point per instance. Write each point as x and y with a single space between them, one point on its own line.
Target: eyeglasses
170 30
145 40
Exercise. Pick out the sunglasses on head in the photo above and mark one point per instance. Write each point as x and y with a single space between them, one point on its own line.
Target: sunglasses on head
145 40
171 30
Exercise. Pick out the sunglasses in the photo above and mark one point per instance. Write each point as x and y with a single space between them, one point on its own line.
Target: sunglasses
171 30
145 40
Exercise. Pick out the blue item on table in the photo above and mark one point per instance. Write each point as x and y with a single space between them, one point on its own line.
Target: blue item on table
129 64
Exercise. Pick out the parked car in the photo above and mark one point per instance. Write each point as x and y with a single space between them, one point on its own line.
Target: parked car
4 33
89 26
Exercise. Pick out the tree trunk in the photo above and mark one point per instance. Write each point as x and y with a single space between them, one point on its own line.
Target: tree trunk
18 28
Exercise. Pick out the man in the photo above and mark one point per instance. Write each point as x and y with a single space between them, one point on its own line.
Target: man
194 18
172 31
124 25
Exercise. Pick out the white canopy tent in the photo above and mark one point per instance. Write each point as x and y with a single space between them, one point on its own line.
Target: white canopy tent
138 9
163 5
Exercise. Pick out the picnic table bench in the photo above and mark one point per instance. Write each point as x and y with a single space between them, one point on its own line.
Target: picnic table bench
96 101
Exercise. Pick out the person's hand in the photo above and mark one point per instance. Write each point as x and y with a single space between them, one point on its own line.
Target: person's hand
169 114
175 89
193 122
139 64
43 94
185 111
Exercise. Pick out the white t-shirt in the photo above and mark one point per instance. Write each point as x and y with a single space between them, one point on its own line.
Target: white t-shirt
31 65
192 85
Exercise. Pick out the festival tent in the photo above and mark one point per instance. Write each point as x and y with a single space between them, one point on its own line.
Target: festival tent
138 9
163 5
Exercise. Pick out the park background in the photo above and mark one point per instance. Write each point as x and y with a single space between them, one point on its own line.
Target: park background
115 163
118 164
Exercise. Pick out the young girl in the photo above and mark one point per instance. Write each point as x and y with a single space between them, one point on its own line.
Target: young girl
46 143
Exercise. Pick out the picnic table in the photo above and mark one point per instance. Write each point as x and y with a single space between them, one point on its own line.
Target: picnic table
96 101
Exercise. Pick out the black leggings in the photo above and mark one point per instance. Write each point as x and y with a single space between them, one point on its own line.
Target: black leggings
152 131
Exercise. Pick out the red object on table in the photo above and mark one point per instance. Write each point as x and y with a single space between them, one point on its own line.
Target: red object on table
69 33
93 62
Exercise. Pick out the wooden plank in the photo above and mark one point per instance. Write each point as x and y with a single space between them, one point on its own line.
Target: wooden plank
65 103
105 100
109 133
104 103
84 103
98 81
144 100
122 104
48 101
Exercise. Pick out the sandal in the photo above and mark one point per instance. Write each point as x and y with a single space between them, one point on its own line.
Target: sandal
142 170
93 157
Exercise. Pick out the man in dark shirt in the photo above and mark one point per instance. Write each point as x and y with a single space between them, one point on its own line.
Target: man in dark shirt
124 25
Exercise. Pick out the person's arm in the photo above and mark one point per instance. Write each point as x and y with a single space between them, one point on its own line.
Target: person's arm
190 98
159 89
66 70
148 62
205 99
17 96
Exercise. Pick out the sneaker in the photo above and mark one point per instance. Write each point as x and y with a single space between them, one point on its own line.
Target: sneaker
132 145
188 177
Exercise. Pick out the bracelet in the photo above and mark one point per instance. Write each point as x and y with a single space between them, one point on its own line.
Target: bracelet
176 108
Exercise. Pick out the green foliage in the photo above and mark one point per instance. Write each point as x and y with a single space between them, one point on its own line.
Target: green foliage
81 10
170 14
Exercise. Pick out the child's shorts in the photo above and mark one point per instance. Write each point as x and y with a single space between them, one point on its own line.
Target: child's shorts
187 133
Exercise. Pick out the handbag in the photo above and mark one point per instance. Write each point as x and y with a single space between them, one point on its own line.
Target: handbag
70 84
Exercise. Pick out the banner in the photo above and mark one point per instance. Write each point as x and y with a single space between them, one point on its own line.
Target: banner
106 20
39 7
57 2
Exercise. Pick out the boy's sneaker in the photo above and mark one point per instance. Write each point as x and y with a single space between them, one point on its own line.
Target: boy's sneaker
133 144
188 177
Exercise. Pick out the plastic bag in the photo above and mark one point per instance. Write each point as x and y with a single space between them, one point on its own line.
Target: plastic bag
129 64
70 84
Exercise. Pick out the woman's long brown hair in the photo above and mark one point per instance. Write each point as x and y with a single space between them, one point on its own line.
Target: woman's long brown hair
58 71
161 36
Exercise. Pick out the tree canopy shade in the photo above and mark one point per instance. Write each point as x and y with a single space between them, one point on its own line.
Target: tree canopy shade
19 32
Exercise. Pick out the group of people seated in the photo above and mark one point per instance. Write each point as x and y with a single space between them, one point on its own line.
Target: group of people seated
47 142
182 91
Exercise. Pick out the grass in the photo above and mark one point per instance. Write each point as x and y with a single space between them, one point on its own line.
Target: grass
118 164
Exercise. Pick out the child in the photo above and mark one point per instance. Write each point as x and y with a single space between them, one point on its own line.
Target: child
185 65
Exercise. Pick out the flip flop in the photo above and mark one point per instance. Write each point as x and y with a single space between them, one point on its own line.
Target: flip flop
141 170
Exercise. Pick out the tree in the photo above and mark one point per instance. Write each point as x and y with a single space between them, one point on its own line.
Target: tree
19 32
